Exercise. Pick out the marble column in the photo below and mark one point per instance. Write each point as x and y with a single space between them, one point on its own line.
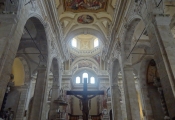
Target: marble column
22 102
39 94
131 99
54 96
116 105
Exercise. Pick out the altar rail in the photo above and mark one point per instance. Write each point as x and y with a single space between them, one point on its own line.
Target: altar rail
80 117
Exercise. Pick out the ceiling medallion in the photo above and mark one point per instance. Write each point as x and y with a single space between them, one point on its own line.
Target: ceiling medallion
85 19
85 5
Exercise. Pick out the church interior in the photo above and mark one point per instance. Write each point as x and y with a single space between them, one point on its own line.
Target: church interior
87 59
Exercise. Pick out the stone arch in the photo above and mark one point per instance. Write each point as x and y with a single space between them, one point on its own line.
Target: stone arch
12 41
89 69
37 16
92 64
39 41
16 91
40 25
38 62
129 33
132 40
82 58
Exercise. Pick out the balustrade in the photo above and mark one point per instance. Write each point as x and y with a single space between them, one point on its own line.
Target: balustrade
87 52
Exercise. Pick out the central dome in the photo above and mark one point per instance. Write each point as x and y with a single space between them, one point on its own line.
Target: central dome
85 42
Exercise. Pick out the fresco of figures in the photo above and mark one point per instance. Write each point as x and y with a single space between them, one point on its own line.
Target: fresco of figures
85 5
85 19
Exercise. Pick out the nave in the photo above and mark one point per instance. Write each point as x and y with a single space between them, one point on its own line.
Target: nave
87 60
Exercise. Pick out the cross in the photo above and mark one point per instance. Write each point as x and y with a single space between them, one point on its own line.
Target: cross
84 98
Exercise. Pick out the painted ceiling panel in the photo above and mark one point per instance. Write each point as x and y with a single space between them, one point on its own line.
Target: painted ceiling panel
85 5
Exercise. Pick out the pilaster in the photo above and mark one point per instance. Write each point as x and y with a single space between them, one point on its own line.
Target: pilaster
39 95
22 102
116 105
54 96
163 45
131 99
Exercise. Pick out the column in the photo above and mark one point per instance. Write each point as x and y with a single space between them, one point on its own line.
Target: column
143 89
116 105
39 94
131 99
166 42
9 39
163 45
22 102
30 95
54 96
123 106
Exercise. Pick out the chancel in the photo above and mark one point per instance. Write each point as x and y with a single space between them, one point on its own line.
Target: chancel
87 59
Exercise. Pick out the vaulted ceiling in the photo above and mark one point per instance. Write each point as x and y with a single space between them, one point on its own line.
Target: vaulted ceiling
85 16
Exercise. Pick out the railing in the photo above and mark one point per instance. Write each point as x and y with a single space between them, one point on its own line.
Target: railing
80 117
85 52
9 6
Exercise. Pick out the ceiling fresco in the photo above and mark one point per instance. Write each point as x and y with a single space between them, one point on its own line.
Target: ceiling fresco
85 19
85 5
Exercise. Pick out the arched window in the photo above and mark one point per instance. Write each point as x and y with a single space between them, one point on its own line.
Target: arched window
92 80
74 42
85 75
77 80
96 43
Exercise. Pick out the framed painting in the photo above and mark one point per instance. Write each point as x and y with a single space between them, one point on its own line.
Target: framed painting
85 19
